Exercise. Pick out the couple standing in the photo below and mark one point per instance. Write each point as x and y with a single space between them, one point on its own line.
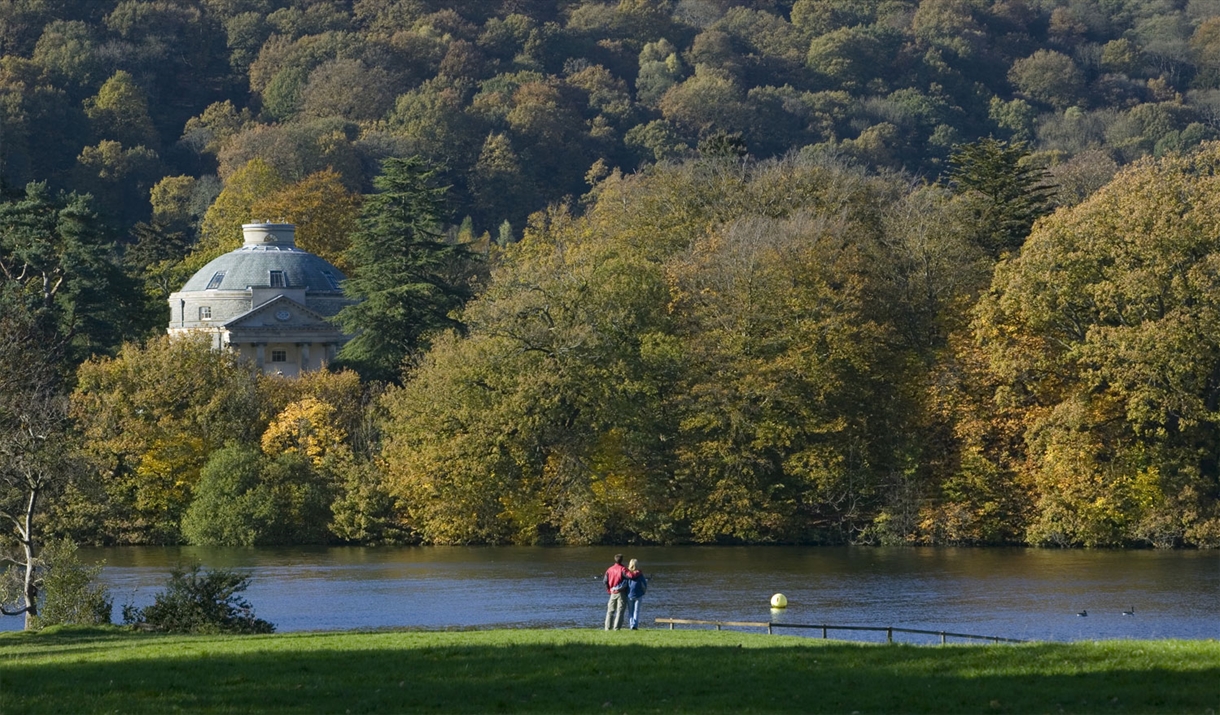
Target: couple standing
626 587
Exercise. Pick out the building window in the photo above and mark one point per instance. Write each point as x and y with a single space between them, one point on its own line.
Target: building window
205 312
216 280
279 356
277 279
330 277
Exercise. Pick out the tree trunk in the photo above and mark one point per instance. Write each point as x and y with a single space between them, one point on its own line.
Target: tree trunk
27 544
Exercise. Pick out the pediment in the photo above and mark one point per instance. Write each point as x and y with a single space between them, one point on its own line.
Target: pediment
280 313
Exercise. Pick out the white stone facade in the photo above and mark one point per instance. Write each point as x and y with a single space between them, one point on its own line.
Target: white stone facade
269 300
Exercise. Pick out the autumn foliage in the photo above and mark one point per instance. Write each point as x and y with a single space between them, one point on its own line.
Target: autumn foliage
729 351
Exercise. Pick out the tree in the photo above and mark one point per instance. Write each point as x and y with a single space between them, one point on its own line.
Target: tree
221 228
36 456
245 498
67 50
324 212
435 124
350 89
1205 48
151 418
1050 77
306 427
1081 175
406 278
56 265
851 56
818 17
710 100
176 49
171 199
119 112
1011 192
119 178
208 132
784 385
660 69
497 183
297 149
657 140
365 511
708 353
1101 334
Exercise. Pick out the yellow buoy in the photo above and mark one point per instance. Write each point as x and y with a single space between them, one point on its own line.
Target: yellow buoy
779 600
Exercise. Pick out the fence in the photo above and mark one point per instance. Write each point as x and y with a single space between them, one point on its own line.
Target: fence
889 631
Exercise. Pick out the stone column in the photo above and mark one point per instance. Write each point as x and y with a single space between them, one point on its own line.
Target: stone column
303 349
260 354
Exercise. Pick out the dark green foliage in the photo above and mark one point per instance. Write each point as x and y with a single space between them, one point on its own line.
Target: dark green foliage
246 499
407 278
723 145
198 601
56 264
1012 193
70 590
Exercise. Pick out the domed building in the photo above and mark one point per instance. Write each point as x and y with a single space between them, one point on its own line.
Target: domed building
269 300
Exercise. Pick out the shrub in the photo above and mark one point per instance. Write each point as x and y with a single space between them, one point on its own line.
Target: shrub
197 601
71 593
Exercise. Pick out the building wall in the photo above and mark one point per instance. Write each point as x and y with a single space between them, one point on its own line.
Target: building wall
223 307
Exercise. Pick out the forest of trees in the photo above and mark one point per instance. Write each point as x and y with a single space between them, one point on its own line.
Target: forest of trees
168 100
938 272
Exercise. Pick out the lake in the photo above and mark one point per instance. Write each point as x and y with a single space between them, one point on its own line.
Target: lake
1012 593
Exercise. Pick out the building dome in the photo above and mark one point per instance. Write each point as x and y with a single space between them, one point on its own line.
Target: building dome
268 247
269 300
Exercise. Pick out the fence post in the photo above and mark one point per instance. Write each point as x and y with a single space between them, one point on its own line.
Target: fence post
768 628
942 637
823 632
889 634
671 625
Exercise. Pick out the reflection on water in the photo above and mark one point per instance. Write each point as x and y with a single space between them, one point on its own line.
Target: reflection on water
1012 593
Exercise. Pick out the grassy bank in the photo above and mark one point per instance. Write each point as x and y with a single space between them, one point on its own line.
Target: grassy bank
592 671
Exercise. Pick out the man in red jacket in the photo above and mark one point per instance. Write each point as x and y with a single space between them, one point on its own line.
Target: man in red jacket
616 585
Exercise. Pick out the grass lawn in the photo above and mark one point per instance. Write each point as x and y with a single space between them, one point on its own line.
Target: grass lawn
84 671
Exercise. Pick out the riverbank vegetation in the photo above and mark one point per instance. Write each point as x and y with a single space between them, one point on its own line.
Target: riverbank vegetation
795 351
699 271
591 671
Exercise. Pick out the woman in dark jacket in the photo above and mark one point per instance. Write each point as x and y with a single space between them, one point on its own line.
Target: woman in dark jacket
636 585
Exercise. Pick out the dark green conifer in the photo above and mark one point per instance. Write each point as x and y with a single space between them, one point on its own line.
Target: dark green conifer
1012 192
407 279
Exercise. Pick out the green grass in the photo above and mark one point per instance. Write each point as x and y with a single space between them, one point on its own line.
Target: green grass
83 671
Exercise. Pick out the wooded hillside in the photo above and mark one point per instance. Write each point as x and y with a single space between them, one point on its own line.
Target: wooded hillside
517 100
884 272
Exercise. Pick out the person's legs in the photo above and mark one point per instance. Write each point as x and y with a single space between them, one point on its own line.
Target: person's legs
619 604
633 613
610 609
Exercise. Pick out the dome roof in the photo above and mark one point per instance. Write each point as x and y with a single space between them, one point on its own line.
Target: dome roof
268 248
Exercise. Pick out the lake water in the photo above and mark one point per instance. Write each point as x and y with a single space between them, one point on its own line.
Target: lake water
1012 593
